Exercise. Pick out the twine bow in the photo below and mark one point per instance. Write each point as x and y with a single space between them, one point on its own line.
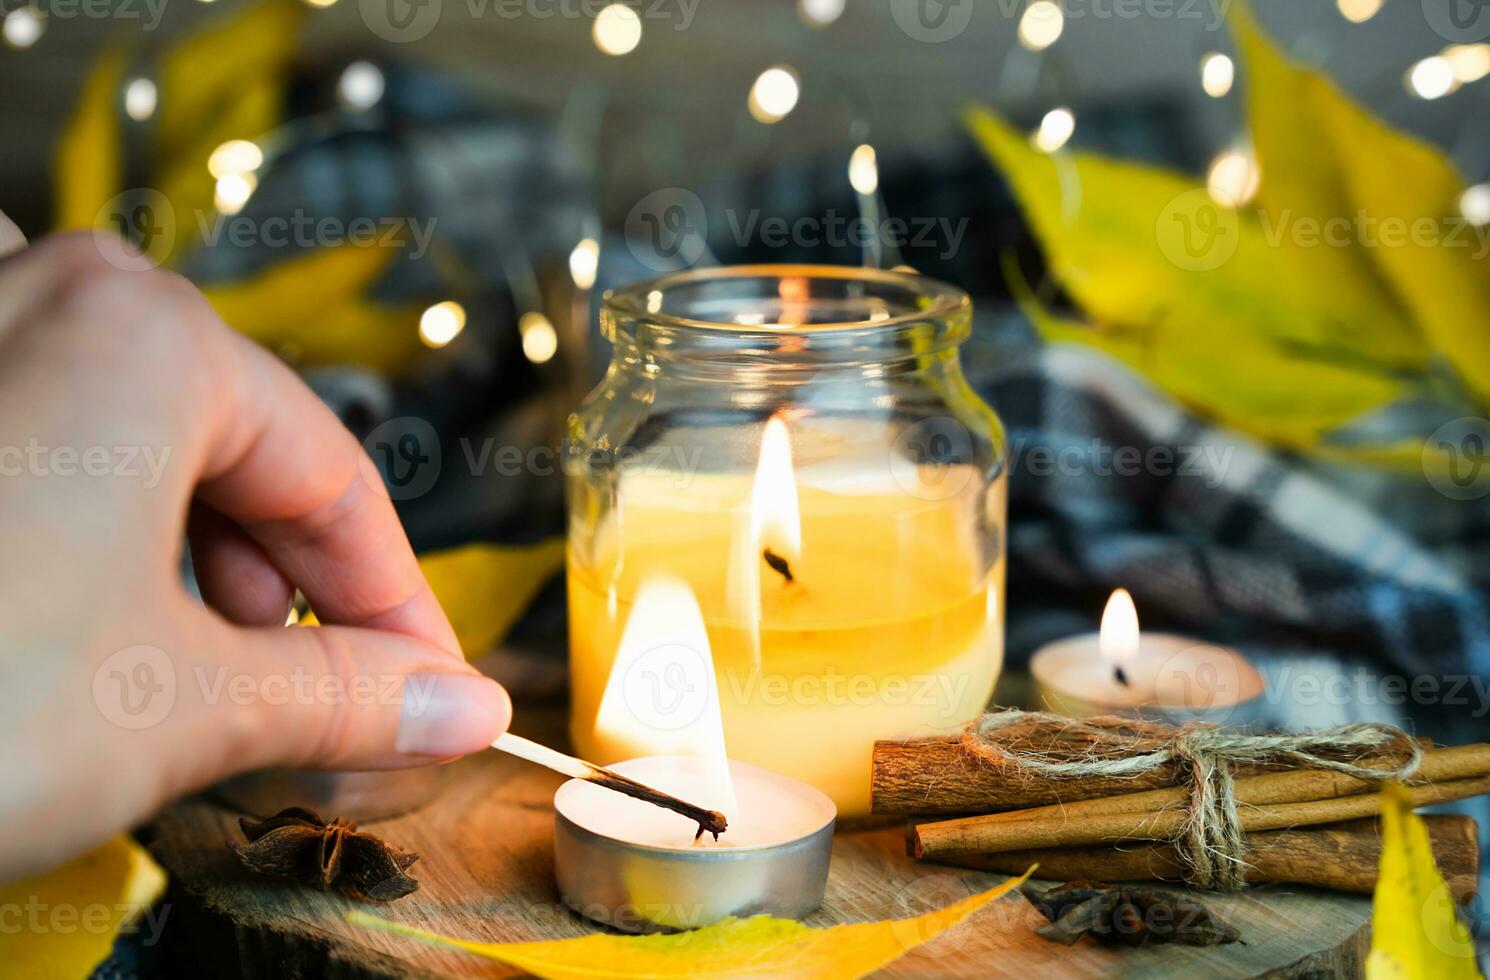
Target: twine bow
1211 843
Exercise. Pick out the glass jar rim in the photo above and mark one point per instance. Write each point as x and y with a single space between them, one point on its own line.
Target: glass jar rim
943 301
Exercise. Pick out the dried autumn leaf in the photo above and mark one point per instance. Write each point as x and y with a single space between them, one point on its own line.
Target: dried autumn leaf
484 588
1296 336
1416 930
119 878
271 307
89 165
1326 157
226 82
1208 337
766 947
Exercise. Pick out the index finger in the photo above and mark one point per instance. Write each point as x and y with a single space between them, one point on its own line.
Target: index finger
283 467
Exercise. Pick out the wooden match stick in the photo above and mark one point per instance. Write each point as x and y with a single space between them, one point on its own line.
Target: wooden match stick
711 820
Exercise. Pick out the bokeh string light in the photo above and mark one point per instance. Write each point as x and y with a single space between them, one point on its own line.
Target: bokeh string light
774 94
23 27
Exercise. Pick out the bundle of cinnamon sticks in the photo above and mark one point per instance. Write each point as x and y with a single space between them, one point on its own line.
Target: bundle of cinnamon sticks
1308 826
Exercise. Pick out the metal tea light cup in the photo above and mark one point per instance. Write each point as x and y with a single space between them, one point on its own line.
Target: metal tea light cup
642 888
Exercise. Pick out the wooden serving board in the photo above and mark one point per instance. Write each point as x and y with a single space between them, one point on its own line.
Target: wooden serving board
487 874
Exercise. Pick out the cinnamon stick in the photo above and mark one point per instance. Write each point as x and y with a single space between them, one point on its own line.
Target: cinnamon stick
937 776
1098 825
1343 857
1294 786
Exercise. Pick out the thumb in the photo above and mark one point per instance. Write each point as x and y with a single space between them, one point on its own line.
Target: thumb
335 697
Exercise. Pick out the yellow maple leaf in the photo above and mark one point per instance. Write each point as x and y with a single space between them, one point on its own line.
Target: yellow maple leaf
70 916
1323 156
760 946
89 163
1233 342
1416 931
227 82
1297 320
484 588
311 309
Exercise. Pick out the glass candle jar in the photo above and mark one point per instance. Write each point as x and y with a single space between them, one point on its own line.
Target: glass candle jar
795 452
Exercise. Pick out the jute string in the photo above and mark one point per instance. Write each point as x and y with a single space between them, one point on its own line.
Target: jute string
1211 843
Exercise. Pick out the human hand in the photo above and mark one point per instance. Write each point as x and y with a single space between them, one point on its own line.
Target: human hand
129 414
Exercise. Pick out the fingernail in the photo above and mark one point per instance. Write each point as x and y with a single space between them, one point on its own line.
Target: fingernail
451 714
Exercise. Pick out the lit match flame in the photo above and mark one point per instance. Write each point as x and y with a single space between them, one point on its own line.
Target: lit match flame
661 697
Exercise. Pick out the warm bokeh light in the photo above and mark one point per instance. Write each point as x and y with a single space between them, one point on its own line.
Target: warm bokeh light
1474 204
361 85
1041 25
1431 78
819 13
1470 62
774 94
1217 73
584 262
1055 129
233 191
140 98
864 170
23 27
442 323
1233 178
1359 11
540 339
618 29
235 157
320 3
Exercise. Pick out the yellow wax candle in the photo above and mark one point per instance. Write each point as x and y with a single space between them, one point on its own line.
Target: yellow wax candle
892 624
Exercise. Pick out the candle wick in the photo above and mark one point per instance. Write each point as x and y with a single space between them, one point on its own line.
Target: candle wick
779 565
1120 675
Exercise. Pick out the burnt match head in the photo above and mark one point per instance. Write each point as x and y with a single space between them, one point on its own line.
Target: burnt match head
713 821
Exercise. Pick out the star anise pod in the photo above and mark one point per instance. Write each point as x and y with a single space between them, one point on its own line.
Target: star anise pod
1119 916
297 843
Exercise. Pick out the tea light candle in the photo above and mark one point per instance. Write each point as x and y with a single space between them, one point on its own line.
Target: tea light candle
1154 675
638 868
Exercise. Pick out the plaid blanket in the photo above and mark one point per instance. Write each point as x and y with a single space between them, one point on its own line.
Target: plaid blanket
1115 484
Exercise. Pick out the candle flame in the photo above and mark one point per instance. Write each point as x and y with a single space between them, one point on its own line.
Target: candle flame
775 517
1118 639
661 697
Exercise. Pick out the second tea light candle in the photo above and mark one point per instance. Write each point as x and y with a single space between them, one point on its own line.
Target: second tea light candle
1161 676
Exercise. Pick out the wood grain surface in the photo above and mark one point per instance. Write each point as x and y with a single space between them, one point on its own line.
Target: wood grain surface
487 875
